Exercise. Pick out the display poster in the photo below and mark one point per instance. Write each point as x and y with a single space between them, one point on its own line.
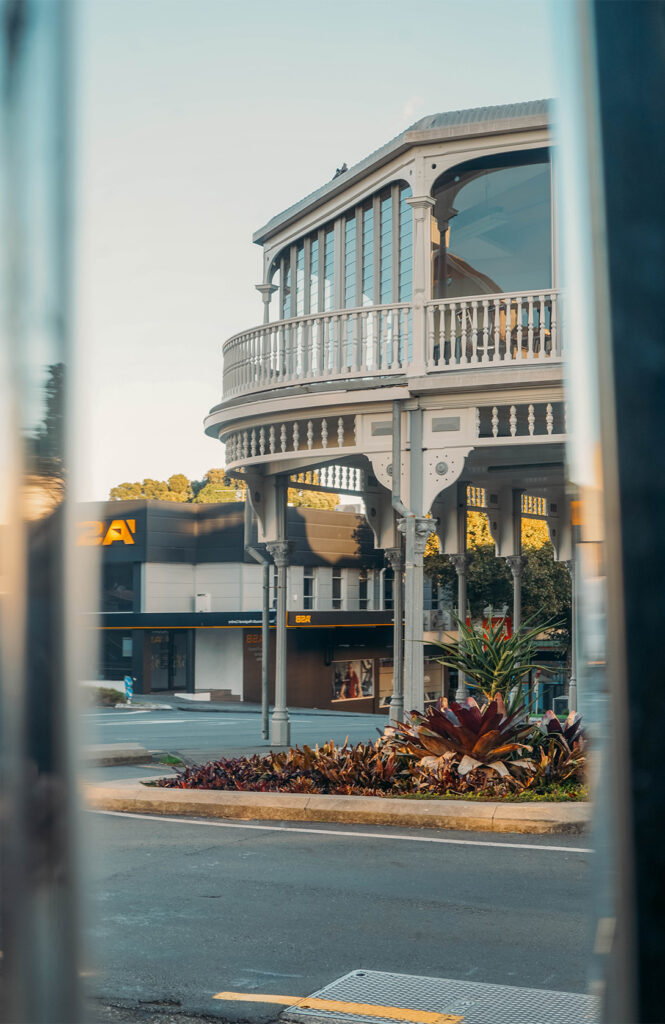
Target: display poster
352 679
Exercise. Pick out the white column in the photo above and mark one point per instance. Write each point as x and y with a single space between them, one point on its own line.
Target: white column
395 557
422 211
417 529
280 726
516 565
572 685
461 563
266 294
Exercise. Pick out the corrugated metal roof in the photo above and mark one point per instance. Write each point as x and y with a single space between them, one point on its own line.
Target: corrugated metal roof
432 122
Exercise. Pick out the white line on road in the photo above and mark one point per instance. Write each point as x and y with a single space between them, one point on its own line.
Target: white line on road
157 721
357 835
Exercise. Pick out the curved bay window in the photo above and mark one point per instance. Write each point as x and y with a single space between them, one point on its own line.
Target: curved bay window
491 226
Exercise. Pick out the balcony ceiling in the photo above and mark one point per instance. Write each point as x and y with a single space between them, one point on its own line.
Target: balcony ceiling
476 120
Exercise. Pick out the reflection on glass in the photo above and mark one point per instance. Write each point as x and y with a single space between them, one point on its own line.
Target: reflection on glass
405 245
386 263
368 256
350 262
329 270
491 229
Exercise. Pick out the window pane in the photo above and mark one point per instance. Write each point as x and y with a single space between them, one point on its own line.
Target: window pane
491 227
118 588
286 274
386 287
350 262
329 270
300 280
314 278
368 256
405 245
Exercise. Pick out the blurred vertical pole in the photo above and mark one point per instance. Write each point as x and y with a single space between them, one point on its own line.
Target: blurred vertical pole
39 905
612 77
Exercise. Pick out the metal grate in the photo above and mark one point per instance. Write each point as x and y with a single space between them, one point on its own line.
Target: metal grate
477 1003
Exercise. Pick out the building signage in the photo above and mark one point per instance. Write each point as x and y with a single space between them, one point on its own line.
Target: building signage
97 533
340 618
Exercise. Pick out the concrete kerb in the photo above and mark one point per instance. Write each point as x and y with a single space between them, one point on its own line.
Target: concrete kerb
134 796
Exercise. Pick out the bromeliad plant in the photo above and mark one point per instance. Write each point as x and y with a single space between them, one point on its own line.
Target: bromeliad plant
493 662
468 738
559 749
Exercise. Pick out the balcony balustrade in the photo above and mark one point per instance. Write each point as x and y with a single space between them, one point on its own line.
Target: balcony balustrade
378 342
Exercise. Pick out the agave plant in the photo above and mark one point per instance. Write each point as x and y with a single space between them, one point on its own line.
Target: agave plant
494 663
559 749
468 737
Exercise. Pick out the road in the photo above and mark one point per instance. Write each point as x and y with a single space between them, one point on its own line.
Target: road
182 909
206 734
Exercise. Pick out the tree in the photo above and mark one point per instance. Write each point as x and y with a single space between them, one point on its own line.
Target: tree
545 583
215 487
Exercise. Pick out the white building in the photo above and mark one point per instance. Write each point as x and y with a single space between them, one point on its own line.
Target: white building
411 317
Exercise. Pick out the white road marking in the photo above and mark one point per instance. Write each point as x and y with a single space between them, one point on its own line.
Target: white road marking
357 835
157 721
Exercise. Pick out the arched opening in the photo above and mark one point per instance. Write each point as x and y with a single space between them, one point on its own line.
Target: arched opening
491 226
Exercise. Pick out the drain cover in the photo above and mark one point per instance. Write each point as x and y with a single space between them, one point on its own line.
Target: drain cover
477 1003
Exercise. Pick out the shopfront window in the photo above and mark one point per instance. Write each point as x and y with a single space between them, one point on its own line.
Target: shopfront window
491 226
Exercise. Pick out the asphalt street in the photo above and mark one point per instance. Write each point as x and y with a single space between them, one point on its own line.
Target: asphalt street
183 909
200 735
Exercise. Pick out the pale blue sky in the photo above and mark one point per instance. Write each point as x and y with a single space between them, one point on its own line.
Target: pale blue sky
200 119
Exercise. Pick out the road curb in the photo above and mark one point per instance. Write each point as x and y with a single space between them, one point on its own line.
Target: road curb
461 815
108 754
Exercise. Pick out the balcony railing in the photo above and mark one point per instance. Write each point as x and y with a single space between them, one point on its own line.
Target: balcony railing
378 342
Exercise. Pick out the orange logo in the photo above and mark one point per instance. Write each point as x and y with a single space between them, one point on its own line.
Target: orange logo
95 533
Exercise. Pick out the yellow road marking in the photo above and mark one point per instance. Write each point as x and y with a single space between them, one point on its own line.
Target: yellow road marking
335 1006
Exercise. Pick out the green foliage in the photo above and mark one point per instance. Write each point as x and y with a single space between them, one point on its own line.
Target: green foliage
493 662
104 696
545 583
216 487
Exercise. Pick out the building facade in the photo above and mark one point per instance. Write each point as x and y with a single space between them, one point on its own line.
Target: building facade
181 604
411 354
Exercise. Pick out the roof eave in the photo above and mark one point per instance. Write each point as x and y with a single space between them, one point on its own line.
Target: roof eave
407 140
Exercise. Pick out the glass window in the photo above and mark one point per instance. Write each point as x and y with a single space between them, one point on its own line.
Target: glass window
314 277
405 245
368 256
337 588
329 269
286 292
300 280
116 654
491 229
118 588
350 261
308 588
363 593
386 263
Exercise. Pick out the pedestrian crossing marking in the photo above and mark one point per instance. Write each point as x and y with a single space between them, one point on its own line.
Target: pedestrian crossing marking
337 1006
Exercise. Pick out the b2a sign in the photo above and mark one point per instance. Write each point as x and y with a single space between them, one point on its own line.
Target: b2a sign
95 533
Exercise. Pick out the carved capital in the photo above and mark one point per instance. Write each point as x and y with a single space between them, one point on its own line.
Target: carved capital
461 563
423 529
516 565
266 290
280 551
395 558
